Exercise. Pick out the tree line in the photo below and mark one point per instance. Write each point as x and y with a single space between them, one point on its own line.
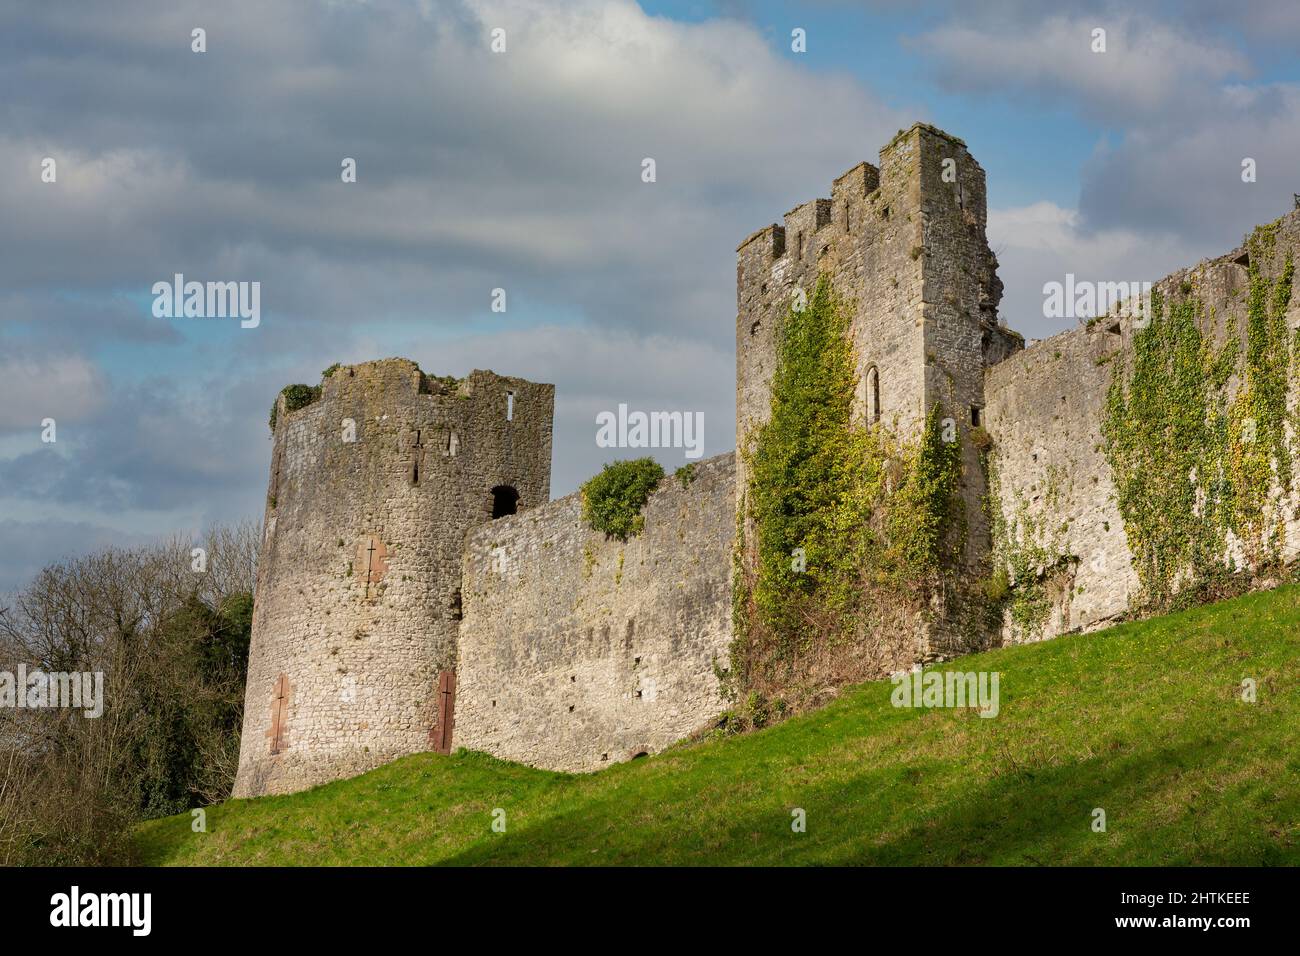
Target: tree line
167 626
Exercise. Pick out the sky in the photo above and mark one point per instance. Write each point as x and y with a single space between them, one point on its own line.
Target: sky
522 170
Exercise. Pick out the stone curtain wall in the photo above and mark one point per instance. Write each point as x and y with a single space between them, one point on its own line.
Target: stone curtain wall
382 565
362 657
578 651
1054 488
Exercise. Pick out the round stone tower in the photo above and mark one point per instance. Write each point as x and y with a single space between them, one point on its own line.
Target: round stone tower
375 483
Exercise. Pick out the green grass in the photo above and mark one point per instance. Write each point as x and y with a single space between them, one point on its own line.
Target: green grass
1144 720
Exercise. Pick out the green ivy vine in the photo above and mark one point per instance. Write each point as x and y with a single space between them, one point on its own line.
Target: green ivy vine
1194 461
831 509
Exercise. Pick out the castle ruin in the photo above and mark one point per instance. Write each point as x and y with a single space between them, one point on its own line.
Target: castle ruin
418 590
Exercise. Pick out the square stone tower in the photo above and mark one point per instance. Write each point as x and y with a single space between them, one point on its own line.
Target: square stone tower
904 243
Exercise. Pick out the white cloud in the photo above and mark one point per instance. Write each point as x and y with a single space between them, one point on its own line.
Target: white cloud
65 388
593 370
1043 242
1185 177
1148 66
522 166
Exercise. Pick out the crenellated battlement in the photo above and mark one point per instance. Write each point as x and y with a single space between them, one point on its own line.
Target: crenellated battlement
905 241
387 378
385 582
903 244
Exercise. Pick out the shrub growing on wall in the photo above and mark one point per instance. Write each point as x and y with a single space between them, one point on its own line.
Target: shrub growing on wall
612 500
295 397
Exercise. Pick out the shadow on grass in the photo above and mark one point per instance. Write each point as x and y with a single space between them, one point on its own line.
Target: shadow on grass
1041 817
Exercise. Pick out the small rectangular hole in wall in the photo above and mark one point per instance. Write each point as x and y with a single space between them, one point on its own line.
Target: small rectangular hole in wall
975 415
604 756
636 660
570 708
510 406
799 247
573 680
753 329
638 695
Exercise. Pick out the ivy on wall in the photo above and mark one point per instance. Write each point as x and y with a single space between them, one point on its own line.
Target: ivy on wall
1193 460
837 519
1028 549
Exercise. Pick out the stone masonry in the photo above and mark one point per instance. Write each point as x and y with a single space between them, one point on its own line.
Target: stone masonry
410 544
904 246
1045 410
578 651
374 488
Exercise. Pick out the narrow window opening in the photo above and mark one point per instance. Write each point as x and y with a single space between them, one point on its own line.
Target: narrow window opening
975 416
505 501
871 395
847 220
453 444
510 406
570 708
799 247
638 695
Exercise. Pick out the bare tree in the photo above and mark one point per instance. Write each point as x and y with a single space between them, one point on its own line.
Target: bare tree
167 629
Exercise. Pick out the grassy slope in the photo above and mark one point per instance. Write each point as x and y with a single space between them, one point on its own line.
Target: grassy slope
1144 720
